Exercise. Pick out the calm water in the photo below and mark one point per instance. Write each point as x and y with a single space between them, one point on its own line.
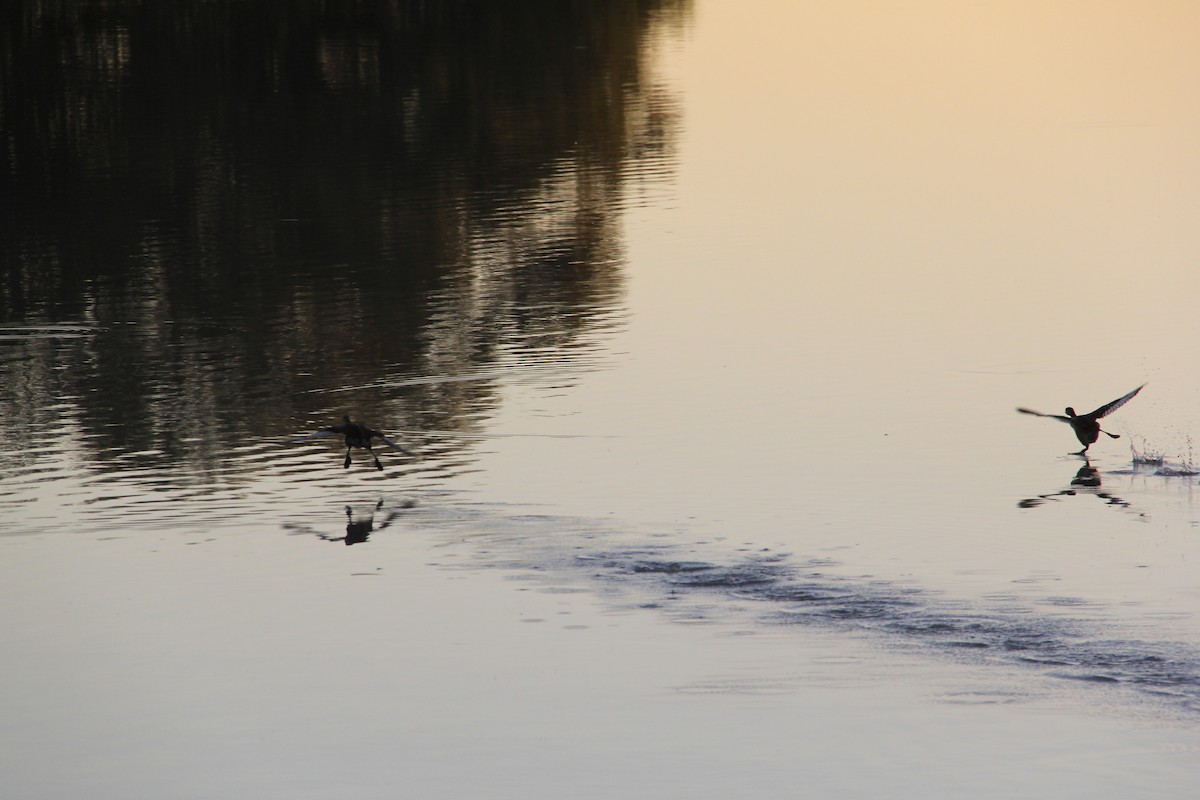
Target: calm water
706 324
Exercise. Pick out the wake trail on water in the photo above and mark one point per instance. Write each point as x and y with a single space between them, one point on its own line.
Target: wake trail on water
781 589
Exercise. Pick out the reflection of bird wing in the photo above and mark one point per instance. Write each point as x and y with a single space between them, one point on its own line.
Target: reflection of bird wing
1040 414
390 443
318 435
1108 408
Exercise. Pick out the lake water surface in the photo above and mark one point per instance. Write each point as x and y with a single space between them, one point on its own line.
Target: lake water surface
705 324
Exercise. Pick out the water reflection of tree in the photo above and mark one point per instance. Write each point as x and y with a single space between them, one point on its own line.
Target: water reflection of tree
252 204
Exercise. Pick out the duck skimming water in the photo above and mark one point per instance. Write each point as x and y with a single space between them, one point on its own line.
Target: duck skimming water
1087 426
357 435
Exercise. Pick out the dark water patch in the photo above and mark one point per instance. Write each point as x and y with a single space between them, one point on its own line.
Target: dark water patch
1070 602
861 608
1033 640
803 593
761 571
1086 678
672 567
727 577
396 228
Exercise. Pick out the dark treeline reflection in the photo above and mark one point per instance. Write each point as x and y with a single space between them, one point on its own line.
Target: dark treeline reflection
251 208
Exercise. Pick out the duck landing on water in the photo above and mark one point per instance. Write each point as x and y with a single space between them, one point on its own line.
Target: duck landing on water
357 435
1087 426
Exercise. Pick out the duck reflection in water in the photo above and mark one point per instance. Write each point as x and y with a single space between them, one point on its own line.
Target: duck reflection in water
1086 481
1087 426
359 526
356 435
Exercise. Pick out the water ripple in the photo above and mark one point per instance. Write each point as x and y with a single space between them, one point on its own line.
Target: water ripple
783 590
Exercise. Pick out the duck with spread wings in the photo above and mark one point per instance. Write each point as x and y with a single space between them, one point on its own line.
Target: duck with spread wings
1087 426
356 435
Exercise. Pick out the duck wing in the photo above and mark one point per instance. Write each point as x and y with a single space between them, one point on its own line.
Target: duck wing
1040 414
318 435
390 443
1108 408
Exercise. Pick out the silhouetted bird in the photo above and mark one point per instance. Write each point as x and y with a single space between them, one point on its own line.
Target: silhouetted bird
1087 426
357 435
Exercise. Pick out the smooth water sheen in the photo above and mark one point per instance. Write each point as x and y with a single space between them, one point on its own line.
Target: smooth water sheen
706 324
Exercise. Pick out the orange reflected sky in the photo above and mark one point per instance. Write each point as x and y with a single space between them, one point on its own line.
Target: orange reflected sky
939 186
891 226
